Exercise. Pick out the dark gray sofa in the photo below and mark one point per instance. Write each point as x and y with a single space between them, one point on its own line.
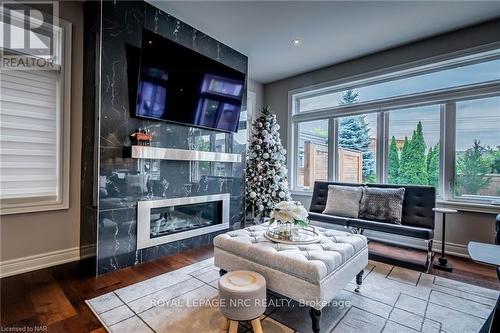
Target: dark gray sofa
417 218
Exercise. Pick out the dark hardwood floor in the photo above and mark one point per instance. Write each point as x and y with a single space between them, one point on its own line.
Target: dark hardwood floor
55 297
464 270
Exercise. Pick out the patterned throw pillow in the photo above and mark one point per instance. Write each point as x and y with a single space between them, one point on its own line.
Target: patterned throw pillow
382 204
343 200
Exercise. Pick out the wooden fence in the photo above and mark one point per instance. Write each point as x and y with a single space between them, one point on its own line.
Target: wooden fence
316 165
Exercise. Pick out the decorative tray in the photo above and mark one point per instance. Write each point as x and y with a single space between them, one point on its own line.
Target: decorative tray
297 236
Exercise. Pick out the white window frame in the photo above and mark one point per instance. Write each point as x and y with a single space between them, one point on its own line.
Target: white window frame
447 98
29 205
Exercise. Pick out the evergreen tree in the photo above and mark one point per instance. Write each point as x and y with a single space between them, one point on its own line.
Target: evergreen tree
428 159
413 168
349 97
472 169
403 162
433 166
493 158
354 133
393 172
266 172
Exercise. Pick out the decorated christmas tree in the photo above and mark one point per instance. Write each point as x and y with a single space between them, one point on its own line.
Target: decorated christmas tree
266 173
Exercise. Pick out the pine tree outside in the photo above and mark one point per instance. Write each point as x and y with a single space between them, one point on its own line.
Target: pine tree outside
414 146
355 133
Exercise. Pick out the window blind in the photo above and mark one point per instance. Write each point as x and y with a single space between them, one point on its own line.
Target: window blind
29 134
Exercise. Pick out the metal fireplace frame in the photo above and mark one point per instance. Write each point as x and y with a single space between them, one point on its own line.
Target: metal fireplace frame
144 219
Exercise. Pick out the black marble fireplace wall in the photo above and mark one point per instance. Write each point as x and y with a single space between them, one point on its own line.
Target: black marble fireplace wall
112 182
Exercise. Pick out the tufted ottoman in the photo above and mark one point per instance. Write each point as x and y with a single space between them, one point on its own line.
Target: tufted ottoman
310 274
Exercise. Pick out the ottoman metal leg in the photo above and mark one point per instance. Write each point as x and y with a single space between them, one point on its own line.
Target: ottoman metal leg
359 280
222 272
315 317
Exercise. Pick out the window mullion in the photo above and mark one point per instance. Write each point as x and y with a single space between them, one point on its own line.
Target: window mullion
382 146
295 155
447 151
333 144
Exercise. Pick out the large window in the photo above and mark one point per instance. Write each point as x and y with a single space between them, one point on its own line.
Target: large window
477 153
34 119
437 124
312 153
461 72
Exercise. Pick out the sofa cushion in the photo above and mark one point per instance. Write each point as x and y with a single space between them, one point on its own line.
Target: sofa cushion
398 229
328 218
382 204
312 262
320 195
343 200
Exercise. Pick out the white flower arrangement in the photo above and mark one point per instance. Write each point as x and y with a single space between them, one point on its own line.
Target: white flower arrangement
290 212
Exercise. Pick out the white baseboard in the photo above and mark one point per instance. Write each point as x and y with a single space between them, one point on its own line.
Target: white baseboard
38 261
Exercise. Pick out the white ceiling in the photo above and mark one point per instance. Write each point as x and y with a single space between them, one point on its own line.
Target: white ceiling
331 31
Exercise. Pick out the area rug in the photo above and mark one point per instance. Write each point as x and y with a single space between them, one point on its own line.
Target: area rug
392 299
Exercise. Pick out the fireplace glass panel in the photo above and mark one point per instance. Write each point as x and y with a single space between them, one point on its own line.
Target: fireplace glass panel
171 220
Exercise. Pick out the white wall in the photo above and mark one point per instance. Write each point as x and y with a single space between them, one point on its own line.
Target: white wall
34 240
256 88
461 228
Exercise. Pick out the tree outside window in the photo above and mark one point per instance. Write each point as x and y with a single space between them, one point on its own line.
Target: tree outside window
477 169
414 148
356 135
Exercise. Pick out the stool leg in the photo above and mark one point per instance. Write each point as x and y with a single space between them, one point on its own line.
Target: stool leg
233 326
257 328
225 327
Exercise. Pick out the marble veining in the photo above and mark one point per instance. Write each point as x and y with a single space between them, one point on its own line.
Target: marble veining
120 182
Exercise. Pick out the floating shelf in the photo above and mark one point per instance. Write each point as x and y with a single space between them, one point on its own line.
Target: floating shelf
183 154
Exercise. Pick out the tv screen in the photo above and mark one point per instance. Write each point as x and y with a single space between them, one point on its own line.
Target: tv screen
183 86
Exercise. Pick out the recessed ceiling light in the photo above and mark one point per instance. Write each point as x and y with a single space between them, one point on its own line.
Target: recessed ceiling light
296 42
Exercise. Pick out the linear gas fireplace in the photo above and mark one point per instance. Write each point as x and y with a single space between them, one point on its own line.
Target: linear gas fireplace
168 220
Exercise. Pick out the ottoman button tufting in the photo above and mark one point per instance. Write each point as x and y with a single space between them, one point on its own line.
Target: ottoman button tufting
242 297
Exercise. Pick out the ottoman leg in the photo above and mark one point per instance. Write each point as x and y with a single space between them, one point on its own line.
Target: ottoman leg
233 326
257 328
315 317
222 272
359 280
225 326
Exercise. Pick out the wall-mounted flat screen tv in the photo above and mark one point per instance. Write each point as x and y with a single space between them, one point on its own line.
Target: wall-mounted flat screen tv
183 86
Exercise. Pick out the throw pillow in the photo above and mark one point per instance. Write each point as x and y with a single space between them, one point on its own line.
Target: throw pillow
382 204
343 200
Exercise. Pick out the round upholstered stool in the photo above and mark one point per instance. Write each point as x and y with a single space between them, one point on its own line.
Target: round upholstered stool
242 298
